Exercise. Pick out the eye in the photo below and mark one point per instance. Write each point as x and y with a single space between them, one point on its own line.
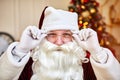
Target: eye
67 35
51 35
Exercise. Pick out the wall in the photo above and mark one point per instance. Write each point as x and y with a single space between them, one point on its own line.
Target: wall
110 12
15 15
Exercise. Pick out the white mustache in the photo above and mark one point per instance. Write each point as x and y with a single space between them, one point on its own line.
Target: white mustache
70 47
52 47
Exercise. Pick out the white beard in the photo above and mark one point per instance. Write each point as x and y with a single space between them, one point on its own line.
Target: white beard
52 62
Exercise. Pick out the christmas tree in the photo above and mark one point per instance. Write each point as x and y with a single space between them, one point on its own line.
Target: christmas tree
89 17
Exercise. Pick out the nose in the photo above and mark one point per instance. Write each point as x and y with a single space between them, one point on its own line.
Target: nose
59 41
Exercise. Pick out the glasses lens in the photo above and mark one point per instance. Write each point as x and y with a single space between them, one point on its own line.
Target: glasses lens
64 36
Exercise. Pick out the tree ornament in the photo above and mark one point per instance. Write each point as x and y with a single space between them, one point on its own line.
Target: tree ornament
100 28
83 7
84 1
79 10
80 26
90 17
107 43
72 2
96 4
92 10
80 18
85 14
84 27
85 23
101 42
80 22
71 10
77 5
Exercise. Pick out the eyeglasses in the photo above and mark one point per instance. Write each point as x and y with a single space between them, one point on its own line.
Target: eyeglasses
67 36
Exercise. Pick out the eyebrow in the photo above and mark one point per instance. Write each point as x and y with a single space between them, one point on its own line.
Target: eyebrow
65 31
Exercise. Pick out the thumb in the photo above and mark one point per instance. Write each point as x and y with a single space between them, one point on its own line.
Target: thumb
80 42
43 36
40 38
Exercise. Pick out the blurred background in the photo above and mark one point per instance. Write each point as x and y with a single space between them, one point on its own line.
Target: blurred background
16 15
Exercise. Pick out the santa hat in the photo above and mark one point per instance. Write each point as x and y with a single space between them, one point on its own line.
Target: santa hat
56 19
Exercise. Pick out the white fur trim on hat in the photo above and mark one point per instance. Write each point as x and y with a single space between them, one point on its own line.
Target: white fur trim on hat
59 19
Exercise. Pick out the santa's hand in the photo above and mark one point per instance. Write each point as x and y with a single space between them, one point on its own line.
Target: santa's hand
88 40
30 38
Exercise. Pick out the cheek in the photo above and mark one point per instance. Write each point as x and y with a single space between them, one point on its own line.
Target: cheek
66 41
50 40
69 40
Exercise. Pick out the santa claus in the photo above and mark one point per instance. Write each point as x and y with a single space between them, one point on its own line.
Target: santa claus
58 50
